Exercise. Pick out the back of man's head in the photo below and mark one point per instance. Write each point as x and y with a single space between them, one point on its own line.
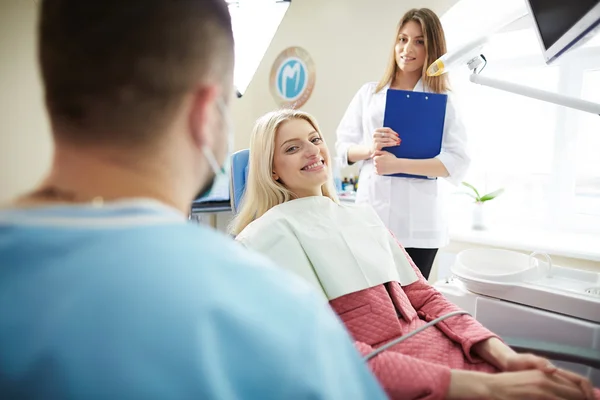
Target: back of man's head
115 71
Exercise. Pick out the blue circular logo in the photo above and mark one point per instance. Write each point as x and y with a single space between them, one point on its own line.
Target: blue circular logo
291 79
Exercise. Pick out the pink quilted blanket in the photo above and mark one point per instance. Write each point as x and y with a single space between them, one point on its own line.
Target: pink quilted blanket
418 368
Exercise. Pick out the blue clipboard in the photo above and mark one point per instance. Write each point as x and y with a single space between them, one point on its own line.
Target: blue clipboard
418 118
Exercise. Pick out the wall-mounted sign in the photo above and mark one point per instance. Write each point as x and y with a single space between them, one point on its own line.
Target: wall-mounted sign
292 77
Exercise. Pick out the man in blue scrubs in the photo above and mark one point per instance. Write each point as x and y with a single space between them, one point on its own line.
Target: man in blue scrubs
106 290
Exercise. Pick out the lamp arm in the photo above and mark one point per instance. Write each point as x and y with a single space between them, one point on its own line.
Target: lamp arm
543 95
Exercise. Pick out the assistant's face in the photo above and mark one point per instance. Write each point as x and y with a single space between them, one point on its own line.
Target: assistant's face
300 158
410 48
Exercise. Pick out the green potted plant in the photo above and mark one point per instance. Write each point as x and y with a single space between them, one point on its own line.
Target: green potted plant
478 220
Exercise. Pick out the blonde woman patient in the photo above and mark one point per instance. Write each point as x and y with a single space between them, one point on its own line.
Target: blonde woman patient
291 214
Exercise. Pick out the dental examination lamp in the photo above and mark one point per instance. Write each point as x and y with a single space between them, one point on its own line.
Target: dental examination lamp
573 32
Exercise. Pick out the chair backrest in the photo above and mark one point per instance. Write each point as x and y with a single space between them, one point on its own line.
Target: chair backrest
239 176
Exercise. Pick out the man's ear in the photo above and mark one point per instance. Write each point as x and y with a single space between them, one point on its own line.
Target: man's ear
203 115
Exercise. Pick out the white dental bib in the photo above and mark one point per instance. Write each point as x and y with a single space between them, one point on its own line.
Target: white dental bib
339 249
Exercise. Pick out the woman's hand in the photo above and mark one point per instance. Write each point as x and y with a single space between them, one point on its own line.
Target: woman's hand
495 352
385 163
506 359
532 384
535 384
523 362
384 137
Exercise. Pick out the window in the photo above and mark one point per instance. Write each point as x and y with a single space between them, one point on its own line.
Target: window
254 22
512 141
587 183
544 156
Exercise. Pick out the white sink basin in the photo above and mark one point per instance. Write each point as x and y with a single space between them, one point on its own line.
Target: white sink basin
522 279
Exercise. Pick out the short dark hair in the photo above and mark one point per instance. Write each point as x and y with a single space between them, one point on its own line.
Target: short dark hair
115 71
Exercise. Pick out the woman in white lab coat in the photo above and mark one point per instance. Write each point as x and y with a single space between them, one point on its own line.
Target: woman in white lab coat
411 208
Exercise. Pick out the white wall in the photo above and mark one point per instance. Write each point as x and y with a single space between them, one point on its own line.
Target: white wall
25 146
349 42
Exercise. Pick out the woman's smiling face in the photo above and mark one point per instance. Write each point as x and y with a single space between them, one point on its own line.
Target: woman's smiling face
301 158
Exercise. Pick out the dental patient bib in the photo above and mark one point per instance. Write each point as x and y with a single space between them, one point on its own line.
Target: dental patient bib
340 249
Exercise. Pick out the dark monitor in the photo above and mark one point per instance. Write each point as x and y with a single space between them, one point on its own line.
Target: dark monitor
218 198
562 24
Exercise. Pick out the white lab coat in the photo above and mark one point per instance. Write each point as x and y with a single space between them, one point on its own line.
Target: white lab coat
337 248
411 208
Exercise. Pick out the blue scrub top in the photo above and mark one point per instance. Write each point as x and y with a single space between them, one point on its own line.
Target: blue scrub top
131 301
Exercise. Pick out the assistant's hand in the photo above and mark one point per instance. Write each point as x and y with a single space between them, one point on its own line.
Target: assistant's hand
385 163
384 137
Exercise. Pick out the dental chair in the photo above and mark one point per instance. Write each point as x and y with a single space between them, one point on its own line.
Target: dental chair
238 176
553 351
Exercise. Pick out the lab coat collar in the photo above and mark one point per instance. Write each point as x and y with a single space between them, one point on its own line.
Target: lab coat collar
419 87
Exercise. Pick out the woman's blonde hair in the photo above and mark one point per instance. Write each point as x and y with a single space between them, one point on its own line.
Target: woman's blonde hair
435 47
262 191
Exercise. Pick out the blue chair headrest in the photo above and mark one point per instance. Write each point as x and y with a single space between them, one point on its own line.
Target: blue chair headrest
239 176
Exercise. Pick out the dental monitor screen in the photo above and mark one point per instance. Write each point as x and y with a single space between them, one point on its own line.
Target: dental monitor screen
561 24
220 191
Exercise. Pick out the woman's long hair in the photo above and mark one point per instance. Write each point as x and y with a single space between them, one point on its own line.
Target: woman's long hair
262 191
435 47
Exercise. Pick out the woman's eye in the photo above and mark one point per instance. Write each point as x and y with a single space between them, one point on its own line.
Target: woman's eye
421 42
317 140
402 40
291 149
